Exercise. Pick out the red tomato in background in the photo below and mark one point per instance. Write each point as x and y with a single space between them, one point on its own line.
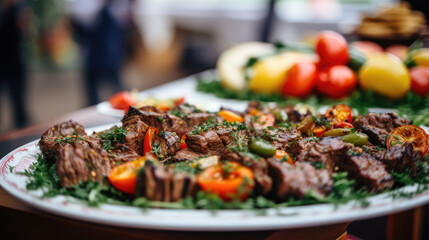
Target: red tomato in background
332 48
367 47
122 100
420 80
401 51
300 80
336 81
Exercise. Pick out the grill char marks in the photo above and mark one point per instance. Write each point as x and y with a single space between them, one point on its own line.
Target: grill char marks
297 180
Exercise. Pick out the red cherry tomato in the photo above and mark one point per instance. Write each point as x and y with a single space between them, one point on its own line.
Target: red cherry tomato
336 81
420 80
341 114
148 140
331 48
122 100
300 80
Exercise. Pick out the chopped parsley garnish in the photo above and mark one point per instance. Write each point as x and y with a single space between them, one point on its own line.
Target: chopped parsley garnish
112 136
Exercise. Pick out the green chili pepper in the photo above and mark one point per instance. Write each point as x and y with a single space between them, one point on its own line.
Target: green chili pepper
262 148
358 139
336 132
280 116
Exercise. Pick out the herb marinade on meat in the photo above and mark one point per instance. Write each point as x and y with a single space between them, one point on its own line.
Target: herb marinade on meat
324 169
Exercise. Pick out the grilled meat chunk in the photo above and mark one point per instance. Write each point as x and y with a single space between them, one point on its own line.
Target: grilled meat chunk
329 150
280 138
168 143
183 155
136 130
399 158
77 162
205 143
298 179
386 121
367 171
158 183
299 146
376 136
122 153
47 143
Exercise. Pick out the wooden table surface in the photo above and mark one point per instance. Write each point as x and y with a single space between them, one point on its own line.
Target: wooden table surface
20 221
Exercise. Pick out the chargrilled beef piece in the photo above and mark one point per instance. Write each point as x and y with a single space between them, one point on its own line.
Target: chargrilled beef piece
183 155
400 157
367 171
280 138
158 183
300 145
205 143
298 179
136 130
78 161
180 124
386 121
329 150
378 125
47 143
121 153
225 134
263 182
168 143
376 136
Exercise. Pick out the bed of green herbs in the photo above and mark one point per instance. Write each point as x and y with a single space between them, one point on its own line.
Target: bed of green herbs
43 176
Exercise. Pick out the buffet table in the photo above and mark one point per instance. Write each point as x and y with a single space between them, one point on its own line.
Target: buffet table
20 221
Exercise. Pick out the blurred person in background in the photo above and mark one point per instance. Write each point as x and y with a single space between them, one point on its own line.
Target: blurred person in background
100 28
14 20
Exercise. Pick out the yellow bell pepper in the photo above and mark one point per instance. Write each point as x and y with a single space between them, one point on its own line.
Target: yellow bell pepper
385 74
269 74
421 57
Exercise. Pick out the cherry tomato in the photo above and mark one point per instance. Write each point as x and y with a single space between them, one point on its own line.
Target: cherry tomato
332 48
420 80
148 140
336 81
179 101
340 113
319 130
367 47
300 80
123 177
411 134
280 154
122 100
227 181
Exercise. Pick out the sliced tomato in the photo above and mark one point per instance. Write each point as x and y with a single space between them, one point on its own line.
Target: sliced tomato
122 100
411 134
230 116
340 113
300 80
280 154
319 131
183 143
123 177
229 181
148 140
